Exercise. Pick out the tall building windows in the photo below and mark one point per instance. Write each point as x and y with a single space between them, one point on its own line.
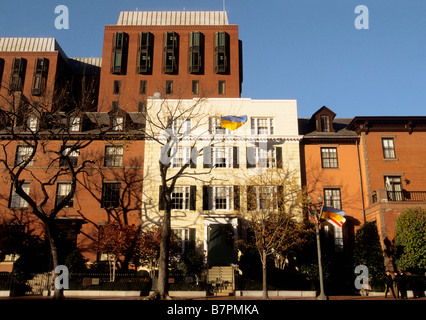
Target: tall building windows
221 87
171 53
329 158
18 74
116 87
113 156
223 198
195 87
264 156
40 76
262 126
325 123
16 201
394 188
22 154
142 86
221 52
146 41
195 52
63 190
388 148
332 198
169 87
119 53
110 195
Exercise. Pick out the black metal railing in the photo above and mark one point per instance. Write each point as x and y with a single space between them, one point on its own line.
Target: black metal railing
406 195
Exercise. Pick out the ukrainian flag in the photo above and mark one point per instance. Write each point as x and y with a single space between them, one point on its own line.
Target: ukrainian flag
233 122
334 216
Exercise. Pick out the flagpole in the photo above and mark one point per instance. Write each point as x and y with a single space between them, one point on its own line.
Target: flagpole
322 295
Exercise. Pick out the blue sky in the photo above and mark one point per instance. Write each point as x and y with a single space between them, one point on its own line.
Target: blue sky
307 50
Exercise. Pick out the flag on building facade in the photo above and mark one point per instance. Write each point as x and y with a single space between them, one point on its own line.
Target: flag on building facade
333 216
233 122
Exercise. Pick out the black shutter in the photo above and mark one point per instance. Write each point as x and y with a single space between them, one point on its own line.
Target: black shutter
235 158
251 157
192 197
236 198
207 157
160 198
251 198
192 233
279 157
206 198
194 154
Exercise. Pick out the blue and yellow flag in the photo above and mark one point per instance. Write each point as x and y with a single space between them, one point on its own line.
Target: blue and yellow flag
233 122
334 216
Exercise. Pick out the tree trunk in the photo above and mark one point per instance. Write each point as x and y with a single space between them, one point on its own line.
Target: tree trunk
51 234
264 277
162 292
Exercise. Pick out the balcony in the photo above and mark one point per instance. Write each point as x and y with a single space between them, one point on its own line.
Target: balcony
381 195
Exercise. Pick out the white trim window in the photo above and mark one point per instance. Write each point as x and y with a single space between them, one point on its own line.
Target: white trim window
181 126
266 158
180 156
16 201
222 197
216 126
63 190
32 123
262 126
113 156
180 198
118 123
75 123
222 157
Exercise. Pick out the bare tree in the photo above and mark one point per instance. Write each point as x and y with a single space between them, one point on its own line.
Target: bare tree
272 215
40 144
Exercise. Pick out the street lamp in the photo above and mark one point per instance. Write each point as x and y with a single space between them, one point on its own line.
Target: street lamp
315 210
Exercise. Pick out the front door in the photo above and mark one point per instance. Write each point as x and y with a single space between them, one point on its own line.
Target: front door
221 250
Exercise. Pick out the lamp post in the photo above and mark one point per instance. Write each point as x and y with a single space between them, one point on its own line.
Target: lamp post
315 210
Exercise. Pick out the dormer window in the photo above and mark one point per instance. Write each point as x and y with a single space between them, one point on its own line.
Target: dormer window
325 124
118 123
74 124
32 123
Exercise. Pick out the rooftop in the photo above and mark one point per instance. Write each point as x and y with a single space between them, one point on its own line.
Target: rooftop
173 18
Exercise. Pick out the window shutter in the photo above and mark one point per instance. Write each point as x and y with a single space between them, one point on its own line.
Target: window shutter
206 198
192 197
236 198
280 198
207 157
194 155
192 238
251 198
236 158
251 157
160 198
279 157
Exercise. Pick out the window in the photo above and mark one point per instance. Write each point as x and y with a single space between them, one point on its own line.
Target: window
394 188
119 53
170 59
222 157
221 198
180 156
261 198
142 86
185 238
221 52
74 124
145 49
181 126
40 76
180 198
262 126
63 190
22 154
215 126
195 53
118 123
264 156
195 87
329 157
388 148
222 87
18 74
32 123
110 195
116 88
332 198
15 200
72 155
325 124
169 86
113 156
